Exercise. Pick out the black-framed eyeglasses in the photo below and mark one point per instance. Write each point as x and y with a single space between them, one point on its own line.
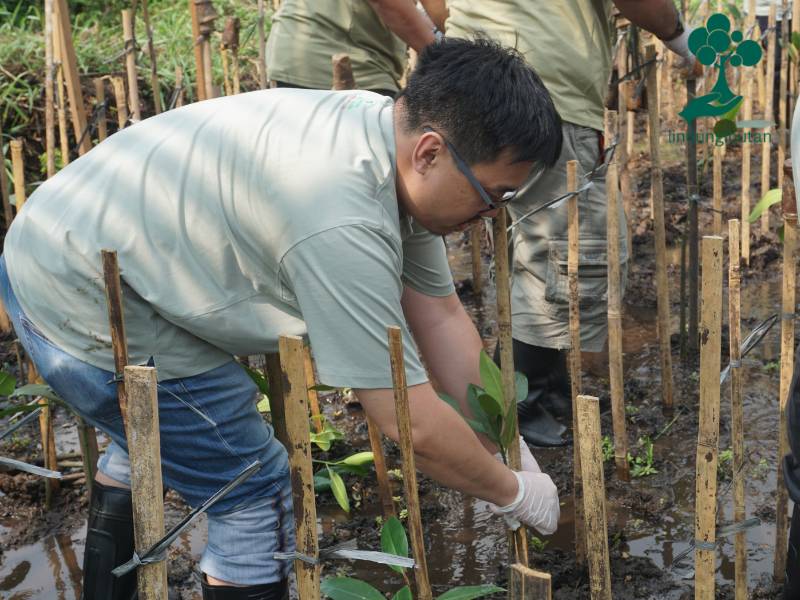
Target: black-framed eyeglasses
461 164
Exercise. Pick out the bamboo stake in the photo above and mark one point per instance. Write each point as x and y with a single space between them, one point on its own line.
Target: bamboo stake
575 353
130 65
737 414
518 539
527 584
379 460
622 147
179 87
746 152
18 170
793 73
313 399
291 409
230 43
200 77
717 193
151 51
761 81
122 104
49 457
692 191
343 78
87 438
100 99
8 213
119 341
262 47
782 86
226 80
662 289
615 309
63 129
70 66
409 470
766 154
708 434
789 209
206 16
144 443
594 499
475 234
49 108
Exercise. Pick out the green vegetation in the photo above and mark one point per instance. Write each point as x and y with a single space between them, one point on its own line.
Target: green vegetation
642 463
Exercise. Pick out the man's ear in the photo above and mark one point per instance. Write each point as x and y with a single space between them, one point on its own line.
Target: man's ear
427 151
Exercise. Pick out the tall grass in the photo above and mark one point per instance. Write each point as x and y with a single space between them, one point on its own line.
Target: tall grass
98 41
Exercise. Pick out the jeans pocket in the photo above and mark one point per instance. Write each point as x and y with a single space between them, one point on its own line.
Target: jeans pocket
592 275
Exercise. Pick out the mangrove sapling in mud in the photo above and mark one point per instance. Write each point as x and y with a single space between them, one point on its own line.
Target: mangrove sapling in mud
394 541
642 464
489 413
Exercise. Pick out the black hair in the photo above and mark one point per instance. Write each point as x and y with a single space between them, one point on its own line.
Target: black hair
484 98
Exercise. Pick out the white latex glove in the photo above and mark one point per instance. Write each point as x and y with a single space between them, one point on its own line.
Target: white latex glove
528 462
680 45
536 504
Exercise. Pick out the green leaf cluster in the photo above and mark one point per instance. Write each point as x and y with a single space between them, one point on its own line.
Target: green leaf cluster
330 476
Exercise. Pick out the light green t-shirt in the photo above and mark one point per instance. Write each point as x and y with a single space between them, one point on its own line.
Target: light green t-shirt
567 42
235 220
305 34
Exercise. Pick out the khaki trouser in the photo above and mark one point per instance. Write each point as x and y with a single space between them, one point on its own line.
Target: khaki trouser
539 286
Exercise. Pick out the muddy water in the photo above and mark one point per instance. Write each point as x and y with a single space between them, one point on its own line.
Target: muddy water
465 543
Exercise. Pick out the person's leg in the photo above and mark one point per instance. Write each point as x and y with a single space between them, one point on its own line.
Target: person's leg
791 586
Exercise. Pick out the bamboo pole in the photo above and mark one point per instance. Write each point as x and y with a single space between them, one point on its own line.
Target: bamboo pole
692 191
761 80
789 209
782 87
717 191
381 473
49 107
737 413
200 77
230 43
746 153
409 470
118 83
262 46
615 309
63 129
518 539
343 78
87 437
594 499
206 16
8 213
70 66
793 73
130 65
144 450
575 353
179 87
18 170
527 584
151 51
226 78
100 99
290 409
622 147
766 149
119 342
708 434
662 284
49 457
475 234
313 399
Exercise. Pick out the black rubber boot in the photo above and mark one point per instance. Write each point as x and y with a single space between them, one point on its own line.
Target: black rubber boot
558 400
109 543
791 587
268 591
542 367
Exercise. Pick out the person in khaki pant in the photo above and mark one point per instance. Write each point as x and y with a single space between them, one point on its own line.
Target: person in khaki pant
568 43
376 34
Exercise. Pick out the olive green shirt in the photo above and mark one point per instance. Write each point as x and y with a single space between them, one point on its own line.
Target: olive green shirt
235 220
567 42
305 34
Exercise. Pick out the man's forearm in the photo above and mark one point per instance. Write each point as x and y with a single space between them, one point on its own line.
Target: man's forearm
445 448
406 22
656 16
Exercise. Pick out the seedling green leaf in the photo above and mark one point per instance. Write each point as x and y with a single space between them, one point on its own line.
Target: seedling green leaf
509 425
394 540
259 379
321 388
339 490
520 386
491 378
358 459
36 389
347 588
7 384
771 197
404 593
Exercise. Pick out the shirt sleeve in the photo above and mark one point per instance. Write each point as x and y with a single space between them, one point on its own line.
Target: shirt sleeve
425 266
346 283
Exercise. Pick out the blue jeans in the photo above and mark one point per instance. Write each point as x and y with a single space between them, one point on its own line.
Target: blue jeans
210 430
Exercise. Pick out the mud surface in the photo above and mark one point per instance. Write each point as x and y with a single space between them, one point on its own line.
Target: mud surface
650 518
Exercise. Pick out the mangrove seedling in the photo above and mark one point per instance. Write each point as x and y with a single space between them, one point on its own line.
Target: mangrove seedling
394 541
487 405
330 476
642 464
